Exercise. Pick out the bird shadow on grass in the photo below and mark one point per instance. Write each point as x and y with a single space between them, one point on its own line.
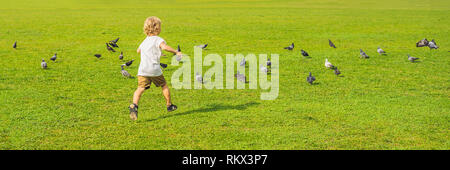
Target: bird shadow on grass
208 108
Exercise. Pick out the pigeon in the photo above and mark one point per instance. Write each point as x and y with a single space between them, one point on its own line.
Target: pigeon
291 47
268 62
304 53
163 65
242 62
44 64
116 40
109 48
203 46
336 71
310 78
381 51
240 77
178 49
422 43
15 45
121 56
331 43
263 69
412 59
363 54
432 45
124 72
98 55
199 77
113 44
129 63
328 64
53 58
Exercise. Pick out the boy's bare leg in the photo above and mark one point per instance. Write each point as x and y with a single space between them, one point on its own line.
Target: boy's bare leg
166 93
137 95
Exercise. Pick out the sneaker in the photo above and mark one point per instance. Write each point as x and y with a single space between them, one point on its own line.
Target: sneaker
133 111
172 107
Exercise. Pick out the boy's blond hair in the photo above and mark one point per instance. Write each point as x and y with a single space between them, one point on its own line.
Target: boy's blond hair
152 26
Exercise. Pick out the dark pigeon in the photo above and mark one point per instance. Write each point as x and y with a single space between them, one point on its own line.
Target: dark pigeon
43 64
163 65
203 46
129 63
310 78
178 49
109 48
113 44
291 47
412 59
422 43
53 58
116 40
15 45
363 54
268 62
304 53
331 43
336 71
121 56
98 55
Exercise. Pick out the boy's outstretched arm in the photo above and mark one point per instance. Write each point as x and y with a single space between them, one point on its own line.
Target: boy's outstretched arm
167 48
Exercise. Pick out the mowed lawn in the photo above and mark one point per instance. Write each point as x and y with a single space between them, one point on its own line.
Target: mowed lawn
80 102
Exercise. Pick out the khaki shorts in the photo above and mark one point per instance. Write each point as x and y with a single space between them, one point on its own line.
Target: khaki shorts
145 82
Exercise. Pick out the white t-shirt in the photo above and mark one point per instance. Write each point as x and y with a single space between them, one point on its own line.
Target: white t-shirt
150 55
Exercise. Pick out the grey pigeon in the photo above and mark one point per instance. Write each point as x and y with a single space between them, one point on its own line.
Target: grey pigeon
336 71
328 64
381 51
331 43
124 72
163 65
291 47
263 69
242 62
121 56
363 54
422 43
310 78
129 63
199 77
241 77
304 53
109 48
203 46
432 45
43 64
268 62
15 45
53 58
412 59
98 55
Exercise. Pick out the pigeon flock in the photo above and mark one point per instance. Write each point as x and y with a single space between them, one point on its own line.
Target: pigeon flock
263 68
310 79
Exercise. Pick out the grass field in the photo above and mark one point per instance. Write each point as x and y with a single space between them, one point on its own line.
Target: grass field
80 102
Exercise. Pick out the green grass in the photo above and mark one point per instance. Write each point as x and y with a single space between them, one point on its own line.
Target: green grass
81 102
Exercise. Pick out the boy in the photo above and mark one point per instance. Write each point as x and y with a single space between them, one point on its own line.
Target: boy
149 68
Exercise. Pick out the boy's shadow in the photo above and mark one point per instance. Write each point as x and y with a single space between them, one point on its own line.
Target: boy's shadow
209 108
